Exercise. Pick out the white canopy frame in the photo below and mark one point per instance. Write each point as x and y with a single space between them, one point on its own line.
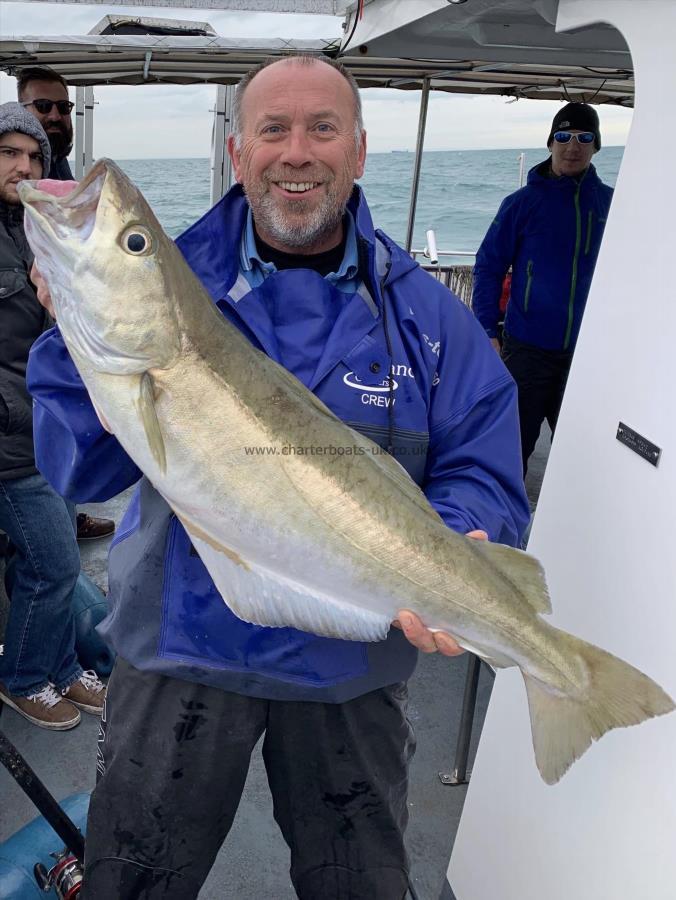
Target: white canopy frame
147 59
304 7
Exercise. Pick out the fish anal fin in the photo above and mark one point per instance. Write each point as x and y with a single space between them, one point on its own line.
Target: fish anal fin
145 404
196 532
524 571
263 597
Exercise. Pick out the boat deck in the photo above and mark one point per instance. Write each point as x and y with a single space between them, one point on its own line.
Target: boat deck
253 863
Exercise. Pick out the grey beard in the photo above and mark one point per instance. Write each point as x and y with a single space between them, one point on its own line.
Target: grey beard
316 226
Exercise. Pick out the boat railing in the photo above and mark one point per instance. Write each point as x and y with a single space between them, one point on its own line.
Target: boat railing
458 277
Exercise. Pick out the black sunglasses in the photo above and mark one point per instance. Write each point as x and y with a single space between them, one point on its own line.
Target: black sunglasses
45 106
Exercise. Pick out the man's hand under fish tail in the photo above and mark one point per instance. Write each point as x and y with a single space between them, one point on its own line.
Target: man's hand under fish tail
425 639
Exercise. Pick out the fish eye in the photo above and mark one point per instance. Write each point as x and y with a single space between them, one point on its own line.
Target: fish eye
137 240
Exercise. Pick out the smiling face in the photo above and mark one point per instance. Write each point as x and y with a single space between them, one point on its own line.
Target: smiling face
298 155
571 158
59 128
20 158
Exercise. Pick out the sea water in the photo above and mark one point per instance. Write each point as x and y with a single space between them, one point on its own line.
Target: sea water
459 193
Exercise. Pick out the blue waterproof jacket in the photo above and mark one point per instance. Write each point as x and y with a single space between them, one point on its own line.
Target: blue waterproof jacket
452 424
550 233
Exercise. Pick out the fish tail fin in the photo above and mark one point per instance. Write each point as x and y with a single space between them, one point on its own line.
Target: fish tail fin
564 726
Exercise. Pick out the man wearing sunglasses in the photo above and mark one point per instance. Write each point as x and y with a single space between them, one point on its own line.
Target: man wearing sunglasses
44 93
549 232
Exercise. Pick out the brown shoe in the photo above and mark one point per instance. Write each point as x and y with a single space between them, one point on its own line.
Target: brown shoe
87 693
89 528
44 708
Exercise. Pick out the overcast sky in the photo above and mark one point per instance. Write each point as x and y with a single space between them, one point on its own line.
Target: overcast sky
166 121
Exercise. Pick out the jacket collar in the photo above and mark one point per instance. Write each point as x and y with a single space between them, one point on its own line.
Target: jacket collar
11 213
541 174
211 246
255 269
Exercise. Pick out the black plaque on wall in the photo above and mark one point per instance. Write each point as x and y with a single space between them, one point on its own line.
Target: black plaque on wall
636 442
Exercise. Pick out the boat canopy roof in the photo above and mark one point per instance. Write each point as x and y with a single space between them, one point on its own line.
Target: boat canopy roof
496 47
133 59
505 47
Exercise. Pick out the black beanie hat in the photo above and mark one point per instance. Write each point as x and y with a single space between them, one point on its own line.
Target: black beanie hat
579 116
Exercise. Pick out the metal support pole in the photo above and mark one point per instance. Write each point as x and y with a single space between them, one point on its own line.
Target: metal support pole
221 167
79 132
459 775
84 131
89 128
47 806
522 169
422 121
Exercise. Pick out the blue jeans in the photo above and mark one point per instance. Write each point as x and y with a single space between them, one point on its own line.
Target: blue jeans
40 635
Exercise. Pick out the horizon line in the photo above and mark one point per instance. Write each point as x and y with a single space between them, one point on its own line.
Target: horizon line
384 152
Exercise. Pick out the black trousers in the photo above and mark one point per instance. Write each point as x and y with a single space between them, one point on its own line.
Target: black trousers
540 377
172 762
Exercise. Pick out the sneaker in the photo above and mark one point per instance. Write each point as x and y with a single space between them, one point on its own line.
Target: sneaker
45 708
87 693
89 528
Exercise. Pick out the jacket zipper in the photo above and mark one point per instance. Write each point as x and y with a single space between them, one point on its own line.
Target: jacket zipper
587 246
576 255
529 282
388 343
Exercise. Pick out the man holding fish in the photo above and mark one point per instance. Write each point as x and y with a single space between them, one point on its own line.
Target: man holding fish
292 264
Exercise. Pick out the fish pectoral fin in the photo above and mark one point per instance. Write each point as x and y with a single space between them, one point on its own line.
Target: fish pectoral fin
145 404
524 572
564 725
258 595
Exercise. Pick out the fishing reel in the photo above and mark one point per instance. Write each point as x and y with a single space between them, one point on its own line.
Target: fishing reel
65 876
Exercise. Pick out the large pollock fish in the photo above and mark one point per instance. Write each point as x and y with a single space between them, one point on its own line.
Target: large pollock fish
329 543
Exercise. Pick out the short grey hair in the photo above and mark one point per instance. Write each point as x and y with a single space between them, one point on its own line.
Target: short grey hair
303 59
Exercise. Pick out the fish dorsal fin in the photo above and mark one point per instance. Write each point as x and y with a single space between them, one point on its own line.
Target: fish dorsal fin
387 464
258 595
389 467
298 389
522 570
145 403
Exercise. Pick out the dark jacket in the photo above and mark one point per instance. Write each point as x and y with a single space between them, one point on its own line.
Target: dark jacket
60 170
450 413
22 320
550 233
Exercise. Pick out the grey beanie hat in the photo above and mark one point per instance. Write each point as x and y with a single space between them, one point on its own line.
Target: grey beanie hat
15 117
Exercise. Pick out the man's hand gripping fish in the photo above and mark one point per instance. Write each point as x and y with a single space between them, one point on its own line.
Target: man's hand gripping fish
331 544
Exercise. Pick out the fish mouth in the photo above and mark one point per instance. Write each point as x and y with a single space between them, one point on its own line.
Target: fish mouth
59 214
60 219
